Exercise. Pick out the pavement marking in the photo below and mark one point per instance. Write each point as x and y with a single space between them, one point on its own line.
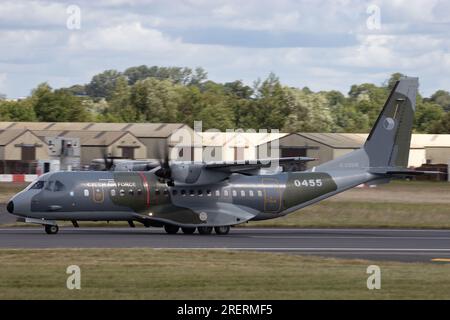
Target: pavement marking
307 249
440 260
351 237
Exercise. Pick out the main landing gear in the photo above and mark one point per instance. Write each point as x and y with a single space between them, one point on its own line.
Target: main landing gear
222 230
51 228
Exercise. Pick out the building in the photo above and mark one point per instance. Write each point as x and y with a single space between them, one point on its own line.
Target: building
81 147
30 147
425 148
236 145
19 150
154 136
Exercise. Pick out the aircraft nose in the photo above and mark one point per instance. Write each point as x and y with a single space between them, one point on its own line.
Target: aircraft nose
10 207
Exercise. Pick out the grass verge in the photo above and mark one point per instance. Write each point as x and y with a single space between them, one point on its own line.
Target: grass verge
195 274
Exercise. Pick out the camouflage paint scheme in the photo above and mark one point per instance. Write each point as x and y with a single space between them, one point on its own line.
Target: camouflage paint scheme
143 196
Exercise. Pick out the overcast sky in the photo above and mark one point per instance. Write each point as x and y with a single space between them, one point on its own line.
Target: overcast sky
320 44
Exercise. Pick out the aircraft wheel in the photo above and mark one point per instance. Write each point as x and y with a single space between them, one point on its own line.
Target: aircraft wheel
222 230
171 229
51 229
204 230
188 230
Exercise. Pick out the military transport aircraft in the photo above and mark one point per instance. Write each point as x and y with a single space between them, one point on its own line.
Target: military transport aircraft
205 196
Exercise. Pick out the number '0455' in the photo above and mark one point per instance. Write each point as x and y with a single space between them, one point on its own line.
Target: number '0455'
308 183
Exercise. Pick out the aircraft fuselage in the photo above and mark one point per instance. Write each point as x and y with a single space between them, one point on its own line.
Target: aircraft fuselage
107 195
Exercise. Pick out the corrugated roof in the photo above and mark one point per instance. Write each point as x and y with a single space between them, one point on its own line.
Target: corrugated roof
239 139
104 138
155 130
336 140
87 138
82 135
140 130
7 136
356 140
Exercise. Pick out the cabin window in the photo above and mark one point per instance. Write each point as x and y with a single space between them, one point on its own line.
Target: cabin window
71 193
234 193
208 193
183 192
113 192
259 193
217 193
242 193
226 193
191 193
86 192
139 191
174 192
131 192
38 185
250 193
122 192
200 192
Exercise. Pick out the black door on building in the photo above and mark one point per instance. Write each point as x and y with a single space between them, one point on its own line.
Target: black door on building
28 153
294 152
128 152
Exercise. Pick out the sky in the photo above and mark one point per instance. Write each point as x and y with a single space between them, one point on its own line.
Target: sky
325 45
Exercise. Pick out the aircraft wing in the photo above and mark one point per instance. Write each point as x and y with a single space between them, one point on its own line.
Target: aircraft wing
250 165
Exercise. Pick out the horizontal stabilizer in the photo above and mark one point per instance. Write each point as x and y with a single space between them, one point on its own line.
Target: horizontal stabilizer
404 172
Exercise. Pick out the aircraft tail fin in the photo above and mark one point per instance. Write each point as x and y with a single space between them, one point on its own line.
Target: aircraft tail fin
388 143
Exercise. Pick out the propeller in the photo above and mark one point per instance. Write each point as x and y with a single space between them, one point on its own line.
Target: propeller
164 172
108 161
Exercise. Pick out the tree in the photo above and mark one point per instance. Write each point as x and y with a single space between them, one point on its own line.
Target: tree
442 126
390 83
17 111
58 105
199 76
428 115
155 100
238 90
309 112
119 107
347 118
270 108
102 85
442 98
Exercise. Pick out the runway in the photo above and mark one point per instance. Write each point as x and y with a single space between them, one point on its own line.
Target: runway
371 244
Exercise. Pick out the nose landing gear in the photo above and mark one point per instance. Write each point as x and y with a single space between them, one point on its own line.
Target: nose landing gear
51 229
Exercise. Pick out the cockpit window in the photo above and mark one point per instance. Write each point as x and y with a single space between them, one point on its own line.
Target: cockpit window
38 185
59 186
49 186
53 185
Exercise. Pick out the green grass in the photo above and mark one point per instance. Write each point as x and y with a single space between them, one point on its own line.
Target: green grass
346 214
175 274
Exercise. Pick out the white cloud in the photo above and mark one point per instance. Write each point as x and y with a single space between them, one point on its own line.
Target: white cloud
36 46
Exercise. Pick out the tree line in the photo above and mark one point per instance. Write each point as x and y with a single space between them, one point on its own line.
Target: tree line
173 94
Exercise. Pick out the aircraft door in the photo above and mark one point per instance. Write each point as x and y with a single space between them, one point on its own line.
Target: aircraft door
272 195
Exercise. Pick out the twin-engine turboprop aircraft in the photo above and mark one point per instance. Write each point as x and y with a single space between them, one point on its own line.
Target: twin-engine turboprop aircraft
206 196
